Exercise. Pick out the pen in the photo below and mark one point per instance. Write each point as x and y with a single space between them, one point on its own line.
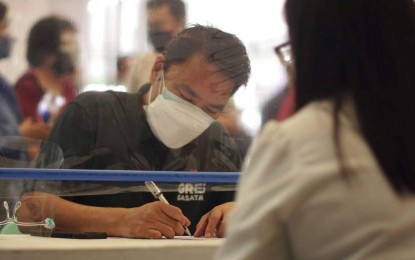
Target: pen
159 195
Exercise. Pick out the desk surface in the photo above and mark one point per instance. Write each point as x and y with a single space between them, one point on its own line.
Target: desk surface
18 247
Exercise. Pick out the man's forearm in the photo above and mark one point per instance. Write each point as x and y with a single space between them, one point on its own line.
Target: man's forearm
152 220
70 216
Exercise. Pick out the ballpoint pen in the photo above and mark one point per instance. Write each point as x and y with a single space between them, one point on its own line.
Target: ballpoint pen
159 195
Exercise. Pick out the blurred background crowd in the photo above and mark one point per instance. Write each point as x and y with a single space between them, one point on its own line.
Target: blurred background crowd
105 40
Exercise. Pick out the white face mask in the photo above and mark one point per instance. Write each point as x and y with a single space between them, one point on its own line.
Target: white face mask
174 121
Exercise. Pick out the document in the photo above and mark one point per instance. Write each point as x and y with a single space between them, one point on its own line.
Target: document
194 238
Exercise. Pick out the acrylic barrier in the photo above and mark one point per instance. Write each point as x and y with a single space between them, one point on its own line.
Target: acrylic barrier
27 194
30 182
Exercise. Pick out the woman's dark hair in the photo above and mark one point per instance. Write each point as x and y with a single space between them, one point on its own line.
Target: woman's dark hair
44 38
363 49
220 48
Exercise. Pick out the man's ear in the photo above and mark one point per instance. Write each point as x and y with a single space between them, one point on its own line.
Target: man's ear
157 67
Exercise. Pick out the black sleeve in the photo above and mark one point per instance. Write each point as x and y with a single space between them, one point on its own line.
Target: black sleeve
73 133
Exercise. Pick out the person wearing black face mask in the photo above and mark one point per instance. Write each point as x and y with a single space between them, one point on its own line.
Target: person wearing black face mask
165 19
51 53
11 120
6 40
6 43
9 110
63 65
159 38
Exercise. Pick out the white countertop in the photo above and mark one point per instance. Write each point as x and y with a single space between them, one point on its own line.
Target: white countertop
18 247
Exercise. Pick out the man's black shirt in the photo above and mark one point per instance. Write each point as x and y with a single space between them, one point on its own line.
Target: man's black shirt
109 130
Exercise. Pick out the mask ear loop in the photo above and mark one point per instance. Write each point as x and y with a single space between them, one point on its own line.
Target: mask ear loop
161 85
162 82
149 94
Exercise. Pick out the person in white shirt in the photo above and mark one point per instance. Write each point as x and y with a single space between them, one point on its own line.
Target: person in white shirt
336 180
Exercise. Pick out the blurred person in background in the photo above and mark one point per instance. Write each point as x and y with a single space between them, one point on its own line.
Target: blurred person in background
165 19
230 119
15 150
337 179
10 117
282 105
124 64
48 86
11 120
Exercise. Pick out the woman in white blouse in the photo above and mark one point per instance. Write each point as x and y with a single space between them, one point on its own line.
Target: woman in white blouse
337 180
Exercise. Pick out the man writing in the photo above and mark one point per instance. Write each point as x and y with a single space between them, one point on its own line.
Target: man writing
168 125
165 19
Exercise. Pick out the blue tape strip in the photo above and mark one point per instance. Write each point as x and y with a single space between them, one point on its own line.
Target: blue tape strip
117 175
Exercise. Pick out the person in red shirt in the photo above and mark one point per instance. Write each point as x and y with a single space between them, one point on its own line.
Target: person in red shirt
51 54
287 106
282 105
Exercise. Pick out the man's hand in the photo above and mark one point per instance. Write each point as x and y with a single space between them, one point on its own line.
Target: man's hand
152 220
214 222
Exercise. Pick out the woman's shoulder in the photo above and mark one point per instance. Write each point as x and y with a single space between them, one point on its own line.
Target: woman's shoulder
306 136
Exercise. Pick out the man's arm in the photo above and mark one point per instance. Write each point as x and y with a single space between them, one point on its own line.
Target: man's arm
152 220
74 133
223 157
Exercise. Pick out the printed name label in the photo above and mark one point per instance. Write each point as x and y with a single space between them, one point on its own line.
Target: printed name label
191 191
